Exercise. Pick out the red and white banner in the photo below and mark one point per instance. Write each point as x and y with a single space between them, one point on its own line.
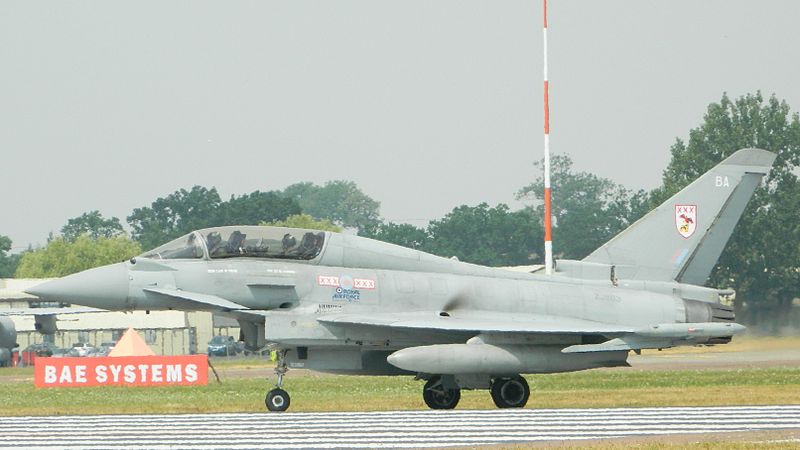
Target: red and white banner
122 371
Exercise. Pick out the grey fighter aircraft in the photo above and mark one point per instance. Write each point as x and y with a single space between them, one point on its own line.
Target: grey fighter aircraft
8 339
345 304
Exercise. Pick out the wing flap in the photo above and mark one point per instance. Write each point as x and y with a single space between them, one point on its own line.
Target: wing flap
662 336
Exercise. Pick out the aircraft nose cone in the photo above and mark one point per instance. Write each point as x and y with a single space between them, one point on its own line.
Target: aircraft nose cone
103 287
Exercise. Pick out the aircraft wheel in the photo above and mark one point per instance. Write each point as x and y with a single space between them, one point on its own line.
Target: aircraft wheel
437 396
510 392
277 400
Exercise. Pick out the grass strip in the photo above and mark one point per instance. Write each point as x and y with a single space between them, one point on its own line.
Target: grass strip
316 392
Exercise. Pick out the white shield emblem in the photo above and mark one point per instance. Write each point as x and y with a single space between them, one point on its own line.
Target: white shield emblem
686 219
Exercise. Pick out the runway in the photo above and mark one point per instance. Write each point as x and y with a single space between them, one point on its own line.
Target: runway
399 429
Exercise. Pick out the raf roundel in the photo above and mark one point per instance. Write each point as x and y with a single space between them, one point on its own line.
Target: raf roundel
346 282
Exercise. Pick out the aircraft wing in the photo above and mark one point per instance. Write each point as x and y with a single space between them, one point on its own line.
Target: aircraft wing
46 317
478 322
47 311
196 301
622 337
661 336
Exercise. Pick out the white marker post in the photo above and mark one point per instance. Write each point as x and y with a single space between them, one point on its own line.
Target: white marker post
548 243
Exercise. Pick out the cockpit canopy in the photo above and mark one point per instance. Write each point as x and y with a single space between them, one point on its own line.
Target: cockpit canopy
243 241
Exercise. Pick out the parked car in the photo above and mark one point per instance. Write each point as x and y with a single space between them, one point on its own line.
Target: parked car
222 346
81 349
42 349
240 348
105 348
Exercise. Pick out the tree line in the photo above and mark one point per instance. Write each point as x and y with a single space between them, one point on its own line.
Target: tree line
761 261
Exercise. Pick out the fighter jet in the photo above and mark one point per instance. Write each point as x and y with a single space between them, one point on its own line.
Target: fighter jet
8 340
346 304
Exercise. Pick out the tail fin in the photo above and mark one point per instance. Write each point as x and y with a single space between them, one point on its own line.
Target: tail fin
683 237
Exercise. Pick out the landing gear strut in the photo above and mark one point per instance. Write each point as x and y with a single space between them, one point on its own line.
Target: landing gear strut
441 393
510 392
277 399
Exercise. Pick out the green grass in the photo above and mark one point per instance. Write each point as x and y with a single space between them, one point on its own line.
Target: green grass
313 392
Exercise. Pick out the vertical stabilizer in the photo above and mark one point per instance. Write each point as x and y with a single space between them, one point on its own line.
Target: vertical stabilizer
684 236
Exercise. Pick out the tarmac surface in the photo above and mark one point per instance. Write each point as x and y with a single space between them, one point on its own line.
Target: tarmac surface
715 358
398 429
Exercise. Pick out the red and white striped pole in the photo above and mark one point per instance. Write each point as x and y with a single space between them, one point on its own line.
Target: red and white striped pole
548 243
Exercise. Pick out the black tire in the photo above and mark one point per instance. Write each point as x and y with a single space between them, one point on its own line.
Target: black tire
436 396
277 400
510 392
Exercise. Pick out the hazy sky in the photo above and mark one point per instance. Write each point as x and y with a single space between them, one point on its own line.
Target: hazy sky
425 104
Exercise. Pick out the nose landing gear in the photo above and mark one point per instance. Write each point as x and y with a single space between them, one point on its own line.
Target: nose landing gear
277 399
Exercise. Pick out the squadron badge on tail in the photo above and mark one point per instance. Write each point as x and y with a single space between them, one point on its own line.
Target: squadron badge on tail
686 219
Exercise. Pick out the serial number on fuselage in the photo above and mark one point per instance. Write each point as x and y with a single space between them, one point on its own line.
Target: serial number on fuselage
326 308
608 297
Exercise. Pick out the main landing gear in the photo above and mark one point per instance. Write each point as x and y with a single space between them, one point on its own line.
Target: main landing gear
277 399
510 392
444 392
441 392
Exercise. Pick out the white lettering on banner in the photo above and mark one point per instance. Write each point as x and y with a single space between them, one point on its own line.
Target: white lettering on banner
115 370
80 374
130 373
128 370
174 373
66 375
156 371
49 375
101 374
191 373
